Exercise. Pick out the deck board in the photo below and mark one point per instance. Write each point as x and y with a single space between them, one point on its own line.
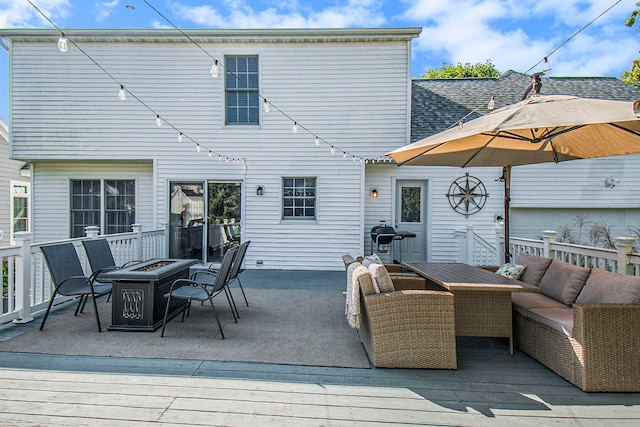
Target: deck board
489 388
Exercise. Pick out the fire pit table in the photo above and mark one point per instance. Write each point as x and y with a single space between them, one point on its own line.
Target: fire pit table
138 293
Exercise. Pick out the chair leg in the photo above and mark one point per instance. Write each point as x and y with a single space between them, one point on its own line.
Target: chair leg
242 289
232 304
215 313
166 313
46 314
95 309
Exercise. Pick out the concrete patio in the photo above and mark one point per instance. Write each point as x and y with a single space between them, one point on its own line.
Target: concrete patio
490 387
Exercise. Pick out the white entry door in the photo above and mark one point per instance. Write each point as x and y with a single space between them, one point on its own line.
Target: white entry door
411 217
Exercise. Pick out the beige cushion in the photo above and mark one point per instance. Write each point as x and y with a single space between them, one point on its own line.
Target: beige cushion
511 270
536 266
374 258
560 319
606 287
523 302
563 282
381 277
365 280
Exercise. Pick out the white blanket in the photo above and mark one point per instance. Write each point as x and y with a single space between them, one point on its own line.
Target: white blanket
352 306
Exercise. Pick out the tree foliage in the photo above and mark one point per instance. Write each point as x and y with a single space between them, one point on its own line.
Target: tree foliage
632 76
450 71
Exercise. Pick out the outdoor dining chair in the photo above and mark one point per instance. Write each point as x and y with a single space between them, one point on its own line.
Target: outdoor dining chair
203 286
236 269
70 280
101 258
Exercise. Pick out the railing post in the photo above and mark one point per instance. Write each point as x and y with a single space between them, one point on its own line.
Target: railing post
500 244
548 237
469 246
92 231
137 241
23 277
624 247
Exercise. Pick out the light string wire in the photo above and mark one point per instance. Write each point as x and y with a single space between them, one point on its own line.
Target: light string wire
159 118
543 60
264 100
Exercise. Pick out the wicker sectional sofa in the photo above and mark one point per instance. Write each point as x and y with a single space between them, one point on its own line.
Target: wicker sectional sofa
409 327
584 324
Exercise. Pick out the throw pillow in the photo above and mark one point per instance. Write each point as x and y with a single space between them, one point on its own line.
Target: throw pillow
374 258
536 266
563 281
511 270
610 288
382 278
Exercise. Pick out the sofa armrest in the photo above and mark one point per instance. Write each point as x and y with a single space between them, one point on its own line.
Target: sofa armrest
406 281
609 340
393 268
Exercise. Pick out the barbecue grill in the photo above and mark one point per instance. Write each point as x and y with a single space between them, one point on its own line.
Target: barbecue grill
382 237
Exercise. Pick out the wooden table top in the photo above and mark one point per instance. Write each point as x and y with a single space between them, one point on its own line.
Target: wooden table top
465 277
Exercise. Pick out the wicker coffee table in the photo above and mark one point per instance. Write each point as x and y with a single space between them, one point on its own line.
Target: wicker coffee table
482 298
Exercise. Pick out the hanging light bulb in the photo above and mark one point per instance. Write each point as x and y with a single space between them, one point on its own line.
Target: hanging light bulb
460 124
317 141
266 106
122 94
354 159
214 69
492 103
210 153
63 46
180 137
219 157
295 127
344 155
333 150
198 147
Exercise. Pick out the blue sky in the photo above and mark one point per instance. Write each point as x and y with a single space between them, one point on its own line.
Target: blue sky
514 34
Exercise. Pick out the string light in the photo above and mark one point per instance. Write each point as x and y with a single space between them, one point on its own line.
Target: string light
266 106
317 141
295 127
198 147
122 94
63 46
333 150
214 69
158 120
180 137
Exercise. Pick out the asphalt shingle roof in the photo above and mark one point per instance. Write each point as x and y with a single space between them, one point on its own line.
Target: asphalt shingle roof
438 104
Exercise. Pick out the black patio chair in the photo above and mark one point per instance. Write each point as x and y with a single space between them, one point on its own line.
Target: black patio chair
70 280
203 286
236 269
101 258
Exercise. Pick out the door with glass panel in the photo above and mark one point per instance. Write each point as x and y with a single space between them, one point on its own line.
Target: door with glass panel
223 218
186 220
411 218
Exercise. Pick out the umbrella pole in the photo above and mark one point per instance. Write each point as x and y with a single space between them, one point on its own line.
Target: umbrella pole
506 171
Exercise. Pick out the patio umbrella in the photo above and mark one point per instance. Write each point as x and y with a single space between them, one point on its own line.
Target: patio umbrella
543 128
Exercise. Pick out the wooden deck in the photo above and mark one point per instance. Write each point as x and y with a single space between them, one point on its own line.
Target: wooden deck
490 387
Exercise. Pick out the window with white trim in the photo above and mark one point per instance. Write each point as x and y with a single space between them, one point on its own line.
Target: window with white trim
299 198
19 208
109 204
242 100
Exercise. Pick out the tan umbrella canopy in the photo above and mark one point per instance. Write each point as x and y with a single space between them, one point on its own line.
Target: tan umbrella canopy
541 129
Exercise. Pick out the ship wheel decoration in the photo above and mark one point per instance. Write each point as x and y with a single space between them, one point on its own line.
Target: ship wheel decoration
467 195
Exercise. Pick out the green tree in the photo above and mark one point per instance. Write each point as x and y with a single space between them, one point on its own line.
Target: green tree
450 71
632 76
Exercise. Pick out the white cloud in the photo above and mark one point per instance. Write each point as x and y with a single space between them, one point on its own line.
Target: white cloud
516 35
21 14
104 9
239 14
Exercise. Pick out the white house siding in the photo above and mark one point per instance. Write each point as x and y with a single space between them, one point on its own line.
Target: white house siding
349 87
51 189
9 171
442 220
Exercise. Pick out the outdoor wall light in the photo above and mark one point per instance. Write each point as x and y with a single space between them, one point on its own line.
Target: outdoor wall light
374 193
499 220
259 190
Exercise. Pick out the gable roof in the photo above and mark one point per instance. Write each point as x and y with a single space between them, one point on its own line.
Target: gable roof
438 104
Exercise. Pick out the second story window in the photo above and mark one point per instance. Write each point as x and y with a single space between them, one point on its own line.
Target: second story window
242 101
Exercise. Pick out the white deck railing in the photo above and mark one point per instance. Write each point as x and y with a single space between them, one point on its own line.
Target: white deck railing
473 250
26 281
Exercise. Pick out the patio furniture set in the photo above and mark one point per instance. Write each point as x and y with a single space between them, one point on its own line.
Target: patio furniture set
582 323
142 290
